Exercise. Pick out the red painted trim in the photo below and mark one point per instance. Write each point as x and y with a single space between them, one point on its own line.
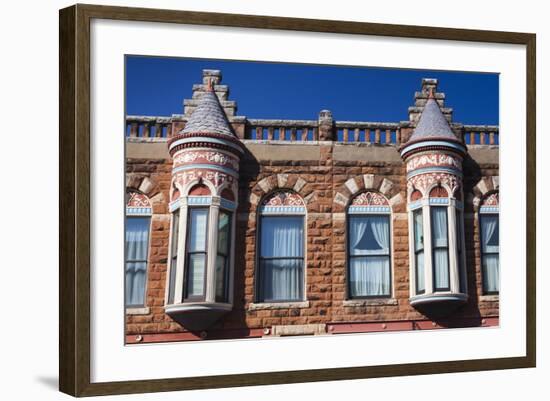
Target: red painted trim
193 336
406 325
332 328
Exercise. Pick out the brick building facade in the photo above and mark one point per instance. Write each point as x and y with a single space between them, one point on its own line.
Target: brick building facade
208 190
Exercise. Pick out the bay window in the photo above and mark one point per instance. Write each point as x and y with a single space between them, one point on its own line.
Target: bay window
201 256
436 247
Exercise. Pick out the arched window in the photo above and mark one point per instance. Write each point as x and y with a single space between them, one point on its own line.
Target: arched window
489 239
369 244
281 248
138 223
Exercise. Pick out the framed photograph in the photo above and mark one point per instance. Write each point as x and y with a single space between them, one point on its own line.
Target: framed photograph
249 200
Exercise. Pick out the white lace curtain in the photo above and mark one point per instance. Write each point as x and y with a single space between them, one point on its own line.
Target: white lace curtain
419 250
196 270
369 255
440 244
137 239
281 253
490 252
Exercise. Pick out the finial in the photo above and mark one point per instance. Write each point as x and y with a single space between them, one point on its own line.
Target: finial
210 85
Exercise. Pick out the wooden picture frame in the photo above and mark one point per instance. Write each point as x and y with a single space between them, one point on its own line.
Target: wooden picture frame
74 204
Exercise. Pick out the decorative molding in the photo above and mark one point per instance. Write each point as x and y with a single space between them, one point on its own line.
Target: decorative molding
369 210
283 198
369 198
199 200
424 182
137 200
433 160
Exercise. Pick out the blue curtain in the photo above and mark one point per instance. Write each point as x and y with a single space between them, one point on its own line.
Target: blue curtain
137 241
369 249
281 257
196 270
440 244
490 252
419 250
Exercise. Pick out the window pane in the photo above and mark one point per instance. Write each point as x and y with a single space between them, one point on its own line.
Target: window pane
137 242
282 279
195 275
418 230
197 230
137 237
490 251
439 226
420 275
370 276
175 231
224 232
369 235
174 255
440 250
489 233
136 273
459 239
221 274
490 273
282 236
224 226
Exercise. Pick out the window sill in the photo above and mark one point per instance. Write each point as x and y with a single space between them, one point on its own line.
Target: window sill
278 305
138 311
489 298
370 302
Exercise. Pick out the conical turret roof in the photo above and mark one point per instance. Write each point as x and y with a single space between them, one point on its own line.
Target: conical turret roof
432 124
208 117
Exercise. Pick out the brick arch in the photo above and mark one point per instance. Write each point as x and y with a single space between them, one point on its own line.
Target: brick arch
281 182
145 185
485 186
363 183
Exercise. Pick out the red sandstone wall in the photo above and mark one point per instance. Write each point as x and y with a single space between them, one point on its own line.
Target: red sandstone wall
325 258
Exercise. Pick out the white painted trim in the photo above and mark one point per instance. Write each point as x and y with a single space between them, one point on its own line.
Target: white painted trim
278 305
438 297
197 306
138 311
370 302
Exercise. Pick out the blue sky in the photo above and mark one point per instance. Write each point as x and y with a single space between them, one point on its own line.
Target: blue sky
156 86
